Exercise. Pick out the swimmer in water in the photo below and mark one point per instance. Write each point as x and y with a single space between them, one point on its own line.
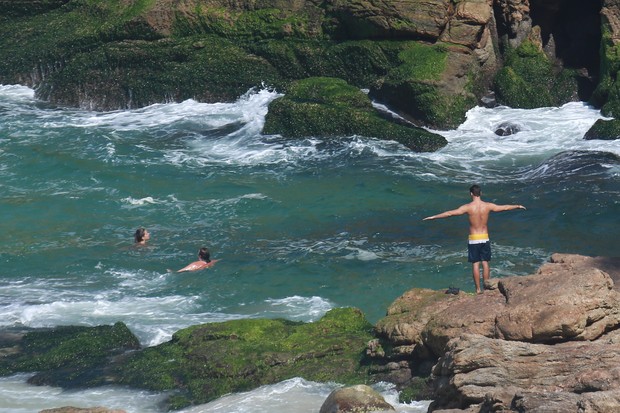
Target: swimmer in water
141 236
204 261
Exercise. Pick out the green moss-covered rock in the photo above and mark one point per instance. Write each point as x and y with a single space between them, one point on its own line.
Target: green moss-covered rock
417 390
246 20
127 54
529 80
138 73
34 46
604 129
69 356
418 87
606 95
210 360
332 107
360 63
19 8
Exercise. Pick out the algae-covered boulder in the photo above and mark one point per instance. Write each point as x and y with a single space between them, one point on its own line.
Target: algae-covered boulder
207 361
604 130
529 79
607 93
332 107
432 85
66 356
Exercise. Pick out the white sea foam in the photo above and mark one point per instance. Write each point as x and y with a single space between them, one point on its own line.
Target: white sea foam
543 131
152 319
361 254
16 396
299 308
133 202
16 93
293 396
248 109
290 396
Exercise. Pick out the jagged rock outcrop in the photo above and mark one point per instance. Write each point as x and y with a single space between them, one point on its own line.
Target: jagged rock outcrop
607 92
546 339
493 372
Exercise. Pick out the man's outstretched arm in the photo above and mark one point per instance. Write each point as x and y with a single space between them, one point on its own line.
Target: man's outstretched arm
500 208
452 213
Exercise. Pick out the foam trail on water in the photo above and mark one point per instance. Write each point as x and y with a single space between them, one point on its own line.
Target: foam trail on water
246 109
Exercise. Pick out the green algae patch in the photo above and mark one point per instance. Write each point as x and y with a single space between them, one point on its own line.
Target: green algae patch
604 130
418 86
361 63
331 107
137 73
207 361
529 80
253 24
69 356
607 93
37 45
421 62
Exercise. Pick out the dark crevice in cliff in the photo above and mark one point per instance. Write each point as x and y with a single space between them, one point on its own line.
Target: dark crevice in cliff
571 33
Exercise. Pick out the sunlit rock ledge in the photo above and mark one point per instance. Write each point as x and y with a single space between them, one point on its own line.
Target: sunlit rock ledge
547 339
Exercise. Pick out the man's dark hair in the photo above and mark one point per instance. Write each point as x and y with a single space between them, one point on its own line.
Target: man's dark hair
139 235
475 190
204 254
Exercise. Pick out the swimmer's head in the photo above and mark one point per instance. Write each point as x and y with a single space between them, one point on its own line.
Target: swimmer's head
204 254
141 235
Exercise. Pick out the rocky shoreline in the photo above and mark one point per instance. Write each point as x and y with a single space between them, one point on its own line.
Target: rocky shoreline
429 61
528 344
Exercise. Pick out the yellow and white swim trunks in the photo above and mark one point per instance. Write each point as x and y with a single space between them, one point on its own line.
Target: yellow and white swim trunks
478 238
479 248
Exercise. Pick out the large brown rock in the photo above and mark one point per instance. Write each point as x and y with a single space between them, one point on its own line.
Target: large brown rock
567 299
537 343
477 369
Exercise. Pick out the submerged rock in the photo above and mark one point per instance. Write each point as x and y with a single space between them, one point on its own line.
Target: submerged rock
507 129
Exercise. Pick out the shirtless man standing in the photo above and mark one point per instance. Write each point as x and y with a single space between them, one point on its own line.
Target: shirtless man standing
479 247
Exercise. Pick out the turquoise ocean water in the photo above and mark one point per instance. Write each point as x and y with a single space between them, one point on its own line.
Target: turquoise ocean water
300 226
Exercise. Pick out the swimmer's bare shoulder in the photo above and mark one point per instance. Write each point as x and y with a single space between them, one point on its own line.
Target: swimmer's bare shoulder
196 266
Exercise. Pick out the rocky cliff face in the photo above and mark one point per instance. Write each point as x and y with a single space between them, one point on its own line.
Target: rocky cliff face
429 60
548 340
